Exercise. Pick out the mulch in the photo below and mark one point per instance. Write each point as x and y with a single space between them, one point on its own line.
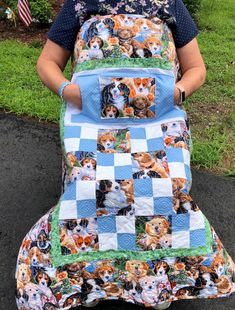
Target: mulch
36 33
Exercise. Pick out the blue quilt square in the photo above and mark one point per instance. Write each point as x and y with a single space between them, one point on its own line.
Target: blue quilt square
137 133
86 208
88 145
180 222
188 173
126 241
70 193
123 172
155 144
197 237
174 154
104 159
163 205
106 224
72 132
143 188
75 118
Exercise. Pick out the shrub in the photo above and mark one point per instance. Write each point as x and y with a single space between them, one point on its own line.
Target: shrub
41 10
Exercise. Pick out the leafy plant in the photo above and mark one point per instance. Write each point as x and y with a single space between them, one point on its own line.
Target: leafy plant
41 10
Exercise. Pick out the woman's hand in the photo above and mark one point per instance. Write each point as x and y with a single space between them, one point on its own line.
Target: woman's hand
72 94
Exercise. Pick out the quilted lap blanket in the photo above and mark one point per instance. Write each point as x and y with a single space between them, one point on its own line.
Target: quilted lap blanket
125 226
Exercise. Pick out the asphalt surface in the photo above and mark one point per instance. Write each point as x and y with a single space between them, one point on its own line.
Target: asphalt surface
30 184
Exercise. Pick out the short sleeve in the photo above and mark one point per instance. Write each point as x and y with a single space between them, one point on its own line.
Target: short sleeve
185 29
65 27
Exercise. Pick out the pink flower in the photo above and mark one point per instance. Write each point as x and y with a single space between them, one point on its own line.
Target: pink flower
78 7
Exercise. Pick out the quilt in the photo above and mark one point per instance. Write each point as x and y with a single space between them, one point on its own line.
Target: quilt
125 226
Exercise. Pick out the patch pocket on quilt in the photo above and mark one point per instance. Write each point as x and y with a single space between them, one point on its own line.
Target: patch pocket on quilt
127 97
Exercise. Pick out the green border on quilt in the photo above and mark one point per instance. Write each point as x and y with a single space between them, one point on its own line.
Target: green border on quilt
59 260
123 63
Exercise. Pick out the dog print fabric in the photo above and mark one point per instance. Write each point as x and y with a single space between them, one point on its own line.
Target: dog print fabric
128 97
125 226
74 13
126 36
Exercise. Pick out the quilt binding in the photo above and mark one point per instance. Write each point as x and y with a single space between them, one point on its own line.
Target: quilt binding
59 260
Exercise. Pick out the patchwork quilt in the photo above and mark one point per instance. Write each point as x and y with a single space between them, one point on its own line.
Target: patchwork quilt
125 217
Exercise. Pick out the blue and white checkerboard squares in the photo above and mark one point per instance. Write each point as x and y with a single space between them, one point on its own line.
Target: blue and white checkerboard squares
116 233
79 200
153 196
77 138
188 230
146 139
114 166
178 162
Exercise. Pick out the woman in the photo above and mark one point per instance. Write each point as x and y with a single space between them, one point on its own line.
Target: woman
125 227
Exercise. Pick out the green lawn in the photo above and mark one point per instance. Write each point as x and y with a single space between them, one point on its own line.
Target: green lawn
209 109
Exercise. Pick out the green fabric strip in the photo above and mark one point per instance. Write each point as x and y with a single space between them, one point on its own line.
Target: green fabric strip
121 62
59 260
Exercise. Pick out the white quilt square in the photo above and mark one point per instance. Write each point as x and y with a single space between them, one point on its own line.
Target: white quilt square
180 239
107 241
71 110
71 144
89 133
85 190
162 187
125 224
144 206
139 145
177 170
153 132
186 156
68 210
105 173
122 159
196 220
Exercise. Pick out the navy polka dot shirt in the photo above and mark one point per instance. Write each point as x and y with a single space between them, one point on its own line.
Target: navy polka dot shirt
73 13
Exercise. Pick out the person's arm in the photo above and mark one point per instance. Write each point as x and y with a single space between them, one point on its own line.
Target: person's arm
50 67
192 67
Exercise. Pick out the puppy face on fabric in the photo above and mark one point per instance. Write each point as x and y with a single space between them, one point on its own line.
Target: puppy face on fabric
150 165
176 134
78 235
127 97
124 36
82 166
154 232
113 141
114 197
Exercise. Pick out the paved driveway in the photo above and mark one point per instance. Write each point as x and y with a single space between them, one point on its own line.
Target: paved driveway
30 182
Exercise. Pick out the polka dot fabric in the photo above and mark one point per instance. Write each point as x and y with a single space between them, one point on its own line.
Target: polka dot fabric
67 24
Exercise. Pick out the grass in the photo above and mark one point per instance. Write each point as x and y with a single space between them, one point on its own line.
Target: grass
21 91
210 109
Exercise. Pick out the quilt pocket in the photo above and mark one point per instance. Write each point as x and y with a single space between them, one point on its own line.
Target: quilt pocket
127 97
